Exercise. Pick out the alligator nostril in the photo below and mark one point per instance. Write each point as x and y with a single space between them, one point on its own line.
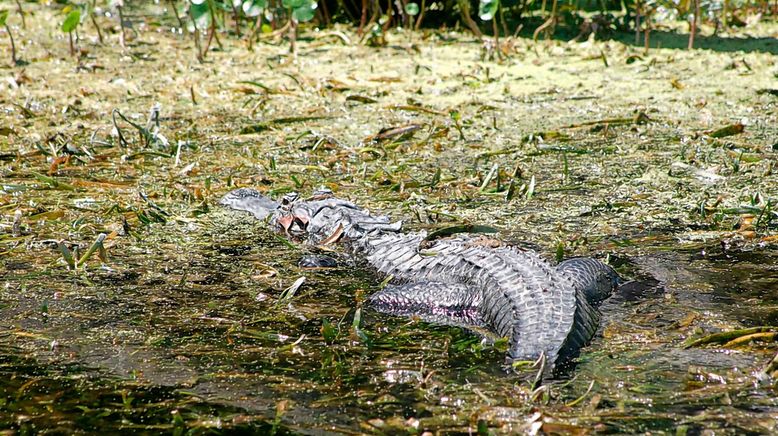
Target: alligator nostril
301 223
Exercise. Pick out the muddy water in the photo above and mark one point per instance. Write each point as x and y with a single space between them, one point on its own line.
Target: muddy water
201 342
181 328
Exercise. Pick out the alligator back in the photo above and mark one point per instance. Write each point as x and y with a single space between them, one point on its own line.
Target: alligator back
523 297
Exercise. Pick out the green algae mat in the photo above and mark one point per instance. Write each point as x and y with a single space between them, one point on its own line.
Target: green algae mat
130 302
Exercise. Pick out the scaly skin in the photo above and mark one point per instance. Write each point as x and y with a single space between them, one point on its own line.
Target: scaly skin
465 280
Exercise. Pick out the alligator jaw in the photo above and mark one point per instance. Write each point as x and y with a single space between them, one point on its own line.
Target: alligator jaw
249 200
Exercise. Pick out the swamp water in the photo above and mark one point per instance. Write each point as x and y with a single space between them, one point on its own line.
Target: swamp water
180 329
201 342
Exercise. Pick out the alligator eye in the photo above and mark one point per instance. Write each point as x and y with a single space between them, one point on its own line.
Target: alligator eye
289 198
323 193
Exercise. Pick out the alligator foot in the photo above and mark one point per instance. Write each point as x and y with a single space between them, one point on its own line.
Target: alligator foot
315 261
440 303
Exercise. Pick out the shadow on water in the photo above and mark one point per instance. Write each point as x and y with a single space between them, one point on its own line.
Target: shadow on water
672 40
198 342
680 41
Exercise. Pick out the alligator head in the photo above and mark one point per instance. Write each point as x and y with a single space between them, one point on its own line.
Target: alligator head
317 219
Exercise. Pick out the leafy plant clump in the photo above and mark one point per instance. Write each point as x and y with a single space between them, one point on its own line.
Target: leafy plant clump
207 20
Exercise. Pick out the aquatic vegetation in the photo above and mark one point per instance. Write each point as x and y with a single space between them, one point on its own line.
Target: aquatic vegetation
175 322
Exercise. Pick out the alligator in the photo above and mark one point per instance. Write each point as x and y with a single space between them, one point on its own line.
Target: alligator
546 312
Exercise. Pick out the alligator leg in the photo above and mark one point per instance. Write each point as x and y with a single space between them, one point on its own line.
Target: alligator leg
317 261
436 302
595 279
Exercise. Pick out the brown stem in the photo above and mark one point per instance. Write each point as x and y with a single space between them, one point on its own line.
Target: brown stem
518 29
273 22
198 45
464 10
549 24
421 15
94 22
196 35
637 24
401 10
72 47
373 18
122 36
362 18
388 23
693 31
175 13
502 21
212 32
293 36
208 41
325 13
647 33
255 32
554 10
496 36
215 36
236 16
13 46
21 14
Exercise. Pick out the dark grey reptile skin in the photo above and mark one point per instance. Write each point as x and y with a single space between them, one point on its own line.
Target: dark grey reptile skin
463 280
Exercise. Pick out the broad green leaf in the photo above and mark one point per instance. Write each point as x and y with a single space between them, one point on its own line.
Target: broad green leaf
306 12
3 17
412 9
487 9
201 14
253 8
293 4
71 21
